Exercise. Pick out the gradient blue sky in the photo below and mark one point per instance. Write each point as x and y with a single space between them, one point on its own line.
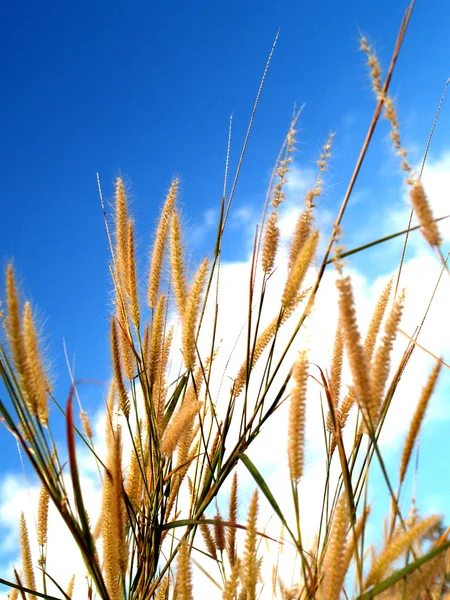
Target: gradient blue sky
146 89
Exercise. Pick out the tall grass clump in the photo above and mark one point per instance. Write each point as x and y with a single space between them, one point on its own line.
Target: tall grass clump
174 515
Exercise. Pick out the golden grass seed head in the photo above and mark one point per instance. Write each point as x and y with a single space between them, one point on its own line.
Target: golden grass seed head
177 263
124 402
219 533
270 245
86 425
395 548
27 560
71 586
160 245
42 520
298 271
355 537
115 548
13 594
251 565
372 60
424 214
377 318
356 354
159 391
209 540
13 322
297 410
381 361
336 364
35 378
334 565
417 419
190 315
126 348
232 583
134 482
121 234
232 518
183 584
162 594
131 279
157 337
177 424
301 234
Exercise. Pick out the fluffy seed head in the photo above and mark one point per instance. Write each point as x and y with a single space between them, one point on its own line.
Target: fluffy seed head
417 419
356 354
423 211
270 246
296 433
160 245
298 271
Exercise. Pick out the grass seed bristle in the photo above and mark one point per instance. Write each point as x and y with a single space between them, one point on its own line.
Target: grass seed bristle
27 560
417 419
160 245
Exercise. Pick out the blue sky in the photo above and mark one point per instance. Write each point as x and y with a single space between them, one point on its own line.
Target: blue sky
145 90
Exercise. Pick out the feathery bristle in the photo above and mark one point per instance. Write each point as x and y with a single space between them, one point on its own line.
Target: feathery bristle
390 112
250 561
184 577
333 566
190 315
219 533
134 479
27 560
395 548
121 237
125 348
417 419
209 540
355 537
424 214
35 379
270 245
177 424
113 527
301 234
156 338
159 389
124 402
86 425
377 318
177 264
356 354
375 70
232 583
13 323
381 361
131 280
160 245
70 587
42 520
232 518
296 433
298 271
336 373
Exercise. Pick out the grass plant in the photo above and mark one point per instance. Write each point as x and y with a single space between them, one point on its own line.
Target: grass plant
174 437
